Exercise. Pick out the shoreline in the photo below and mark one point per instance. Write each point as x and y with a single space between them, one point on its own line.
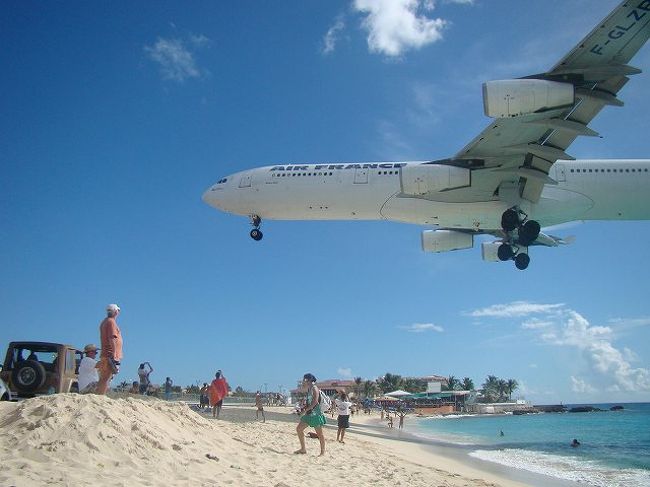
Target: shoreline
459 454
426 452
64 439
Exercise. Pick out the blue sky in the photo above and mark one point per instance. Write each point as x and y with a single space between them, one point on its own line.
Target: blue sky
117 116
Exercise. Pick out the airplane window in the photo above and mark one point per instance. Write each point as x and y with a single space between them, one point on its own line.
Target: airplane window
633 170
571 170
331 173
627 170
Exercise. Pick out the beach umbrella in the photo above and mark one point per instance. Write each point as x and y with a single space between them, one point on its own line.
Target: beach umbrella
386 398
398 393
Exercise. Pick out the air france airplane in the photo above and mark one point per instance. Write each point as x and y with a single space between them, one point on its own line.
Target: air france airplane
510 181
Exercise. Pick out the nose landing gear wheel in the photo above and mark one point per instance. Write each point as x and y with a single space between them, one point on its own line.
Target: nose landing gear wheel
522 261
256 221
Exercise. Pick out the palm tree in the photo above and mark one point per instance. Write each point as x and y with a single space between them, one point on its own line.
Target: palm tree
502 387
389 382
490 388
369 388
358 386
467 384
511 385
452 383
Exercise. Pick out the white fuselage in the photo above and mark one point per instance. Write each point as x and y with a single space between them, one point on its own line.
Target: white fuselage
585 190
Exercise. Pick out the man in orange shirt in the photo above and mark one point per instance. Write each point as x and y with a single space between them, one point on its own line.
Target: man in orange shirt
111 339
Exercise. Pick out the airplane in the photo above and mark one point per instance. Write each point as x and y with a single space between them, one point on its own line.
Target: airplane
512 180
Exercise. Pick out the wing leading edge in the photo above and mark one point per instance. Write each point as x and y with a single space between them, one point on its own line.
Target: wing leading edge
523 148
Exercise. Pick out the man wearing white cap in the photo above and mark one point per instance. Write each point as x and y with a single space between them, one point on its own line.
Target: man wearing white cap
111 339
88 376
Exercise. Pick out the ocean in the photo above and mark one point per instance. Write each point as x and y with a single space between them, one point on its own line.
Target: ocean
614 445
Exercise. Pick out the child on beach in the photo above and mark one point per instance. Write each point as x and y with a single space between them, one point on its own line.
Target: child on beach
313 415
343 407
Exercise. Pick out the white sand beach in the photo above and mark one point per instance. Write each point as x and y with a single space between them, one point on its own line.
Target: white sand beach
71 439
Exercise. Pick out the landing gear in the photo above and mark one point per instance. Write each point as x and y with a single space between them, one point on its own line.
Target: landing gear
505 252
519 232
256 233
510 220
529 232
521 261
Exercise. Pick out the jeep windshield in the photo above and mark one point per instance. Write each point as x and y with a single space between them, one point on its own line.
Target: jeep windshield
46 355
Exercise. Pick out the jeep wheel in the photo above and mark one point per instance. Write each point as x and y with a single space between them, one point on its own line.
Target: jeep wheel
28 376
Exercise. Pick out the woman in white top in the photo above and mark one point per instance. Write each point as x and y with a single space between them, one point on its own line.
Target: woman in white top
343 407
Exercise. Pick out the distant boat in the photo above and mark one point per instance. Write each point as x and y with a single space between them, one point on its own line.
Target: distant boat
616 408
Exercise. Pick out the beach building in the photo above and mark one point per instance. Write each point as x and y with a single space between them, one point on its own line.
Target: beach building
499 407
442 402
330 387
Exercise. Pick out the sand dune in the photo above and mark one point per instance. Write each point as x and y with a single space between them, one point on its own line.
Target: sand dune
70 439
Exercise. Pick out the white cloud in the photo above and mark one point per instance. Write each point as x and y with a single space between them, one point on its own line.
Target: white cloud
607 363
536 324
608 367
629 323
515 309
395 26
175 59
422 327
200 40
580 386
344 372
332 36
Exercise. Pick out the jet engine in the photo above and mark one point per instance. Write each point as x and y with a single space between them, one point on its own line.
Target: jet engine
446 240
516 97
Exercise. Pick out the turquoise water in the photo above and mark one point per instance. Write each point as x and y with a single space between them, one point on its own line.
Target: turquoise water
614 450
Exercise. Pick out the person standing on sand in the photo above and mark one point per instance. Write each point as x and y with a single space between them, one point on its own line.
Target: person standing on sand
217 391
343 407
203 399
168 388
260 407
88 377
313 416
143 375
402 414
111 340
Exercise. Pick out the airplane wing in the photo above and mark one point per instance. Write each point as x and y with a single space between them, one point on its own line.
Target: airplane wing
521 148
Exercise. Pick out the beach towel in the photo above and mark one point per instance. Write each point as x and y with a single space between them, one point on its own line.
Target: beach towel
217 391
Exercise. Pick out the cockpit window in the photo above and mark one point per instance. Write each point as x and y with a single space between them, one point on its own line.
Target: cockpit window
221 181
